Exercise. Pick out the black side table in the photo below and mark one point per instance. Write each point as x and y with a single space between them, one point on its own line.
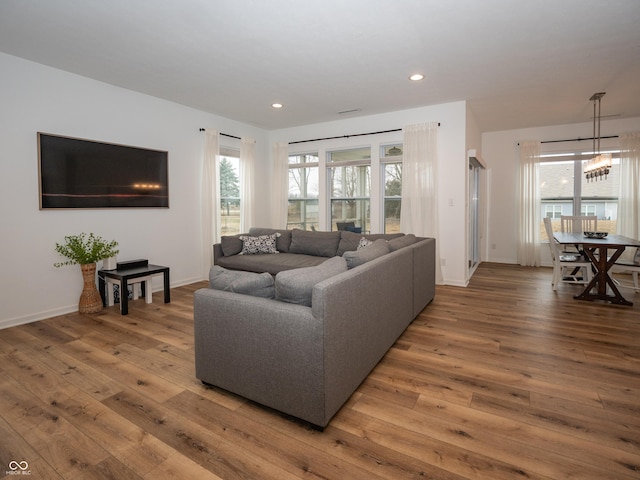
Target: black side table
123 276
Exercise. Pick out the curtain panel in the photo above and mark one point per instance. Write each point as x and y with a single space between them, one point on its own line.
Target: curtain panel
529 204
629 197
210 197
247 169
280 199
419 212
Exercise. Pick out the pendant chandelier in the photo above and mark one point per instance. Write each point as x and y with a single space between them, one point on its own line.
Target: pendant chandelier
598 167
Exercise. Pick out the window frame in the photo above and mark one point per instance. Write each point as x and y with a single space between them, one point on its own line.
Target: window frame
386 160
364 199
304 200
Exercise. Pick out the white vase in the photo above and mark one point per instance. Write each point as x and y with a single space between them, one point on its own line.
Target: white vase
109 263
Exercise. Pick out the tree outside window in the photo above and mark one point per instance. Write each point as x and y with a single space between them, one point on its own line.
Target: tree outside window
303 192
229 195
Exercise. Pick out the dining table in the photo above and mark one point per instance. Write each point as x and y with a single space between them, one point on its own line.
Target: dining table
597 251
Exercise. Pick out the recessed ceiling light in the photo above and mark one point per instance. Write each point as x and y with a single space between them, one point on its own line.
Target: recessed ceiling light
416 76
276 105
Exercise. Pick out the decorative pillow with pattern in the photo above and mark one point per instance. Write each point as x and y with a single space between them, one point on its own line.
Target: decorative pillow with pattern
259 245
363 243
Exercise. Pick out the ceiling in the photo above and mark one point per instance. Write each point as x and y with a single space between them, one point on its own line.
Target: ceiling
518 64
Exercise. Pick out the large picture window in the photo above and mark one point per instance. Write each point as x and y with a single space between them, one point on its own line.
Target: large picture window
349 179
303 192
564 190
229 191
391 164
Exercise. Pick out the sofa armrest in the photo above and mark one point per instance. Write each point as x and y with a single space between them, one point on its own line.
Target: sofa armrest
217 253
363 317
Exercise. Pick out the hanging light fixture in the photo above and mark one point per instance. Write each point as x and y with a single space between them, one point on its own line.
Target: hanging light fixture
598 167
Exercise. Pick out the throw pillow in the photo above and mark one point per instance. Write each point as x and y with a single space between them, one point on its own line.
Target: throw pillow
296 286
359 257
258 245
283 242
248 283
363 243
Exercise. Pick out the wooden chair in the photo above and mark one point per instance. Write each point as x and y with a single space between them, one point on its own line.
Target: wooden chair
567 268
633 268
578 224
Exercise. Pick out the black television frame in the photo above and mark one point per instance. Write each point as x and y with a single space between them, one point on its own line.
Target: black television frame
89 174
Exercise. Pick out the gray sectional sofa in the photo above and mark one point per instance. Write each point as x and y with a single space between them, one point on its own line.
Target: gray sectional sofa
299 330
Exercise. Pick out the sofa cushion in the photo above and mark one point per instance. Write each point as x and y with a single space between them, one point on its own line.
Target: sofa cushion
272 264
231 245
296 286
258 245
376 249
349 240
283 242
320 244
401 242
248 283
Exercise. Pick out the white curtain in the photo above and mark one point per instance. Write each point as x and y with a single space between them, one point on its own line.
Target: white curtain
629 199
529 204
247 165
280 184
419 212
210 197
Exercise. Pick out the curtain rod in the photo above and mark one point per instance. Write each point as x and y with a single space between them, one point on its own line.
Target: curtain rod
575 139
223 134
578 139
348 136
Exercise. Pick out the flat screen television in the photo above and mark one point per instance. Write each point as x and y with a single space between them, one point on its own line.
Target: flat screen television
77 173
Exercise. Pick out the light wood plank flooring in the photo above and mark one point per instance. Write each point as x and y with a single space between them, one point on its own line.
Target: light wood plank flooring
505 379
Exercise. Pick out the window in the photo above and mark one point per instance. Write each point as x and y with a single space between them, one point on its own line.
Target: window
391 163
349 179
303 192
560 194
553 211
229 191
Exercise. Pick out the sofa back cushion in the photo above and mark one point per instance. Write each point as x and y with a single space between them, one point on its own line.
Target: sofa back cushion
349 240
296 286
231 245
401 242
248 283
320 244
363 255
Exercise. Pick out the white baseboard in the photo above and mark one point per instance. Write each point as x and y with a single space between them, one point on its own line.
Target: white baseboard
35 317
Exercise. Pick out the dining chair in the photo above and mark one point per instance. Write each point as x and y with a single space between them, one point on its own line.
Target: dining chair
345 225
567 267
632 267
579 223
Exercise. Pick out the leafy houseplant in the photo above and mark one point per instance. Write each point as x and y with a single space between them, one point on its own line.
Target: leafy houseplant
86 251
83 250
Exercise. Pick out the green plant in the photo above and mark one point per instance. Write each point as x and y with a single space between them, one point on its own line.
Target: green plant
83 250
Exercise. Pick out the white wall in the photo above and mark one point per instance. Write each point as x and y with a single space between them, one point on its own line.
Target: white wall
36 98
452 166
500 151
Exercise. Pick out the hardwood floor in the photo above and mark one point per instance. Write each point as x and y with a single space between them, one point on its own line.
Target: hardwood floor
505 379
